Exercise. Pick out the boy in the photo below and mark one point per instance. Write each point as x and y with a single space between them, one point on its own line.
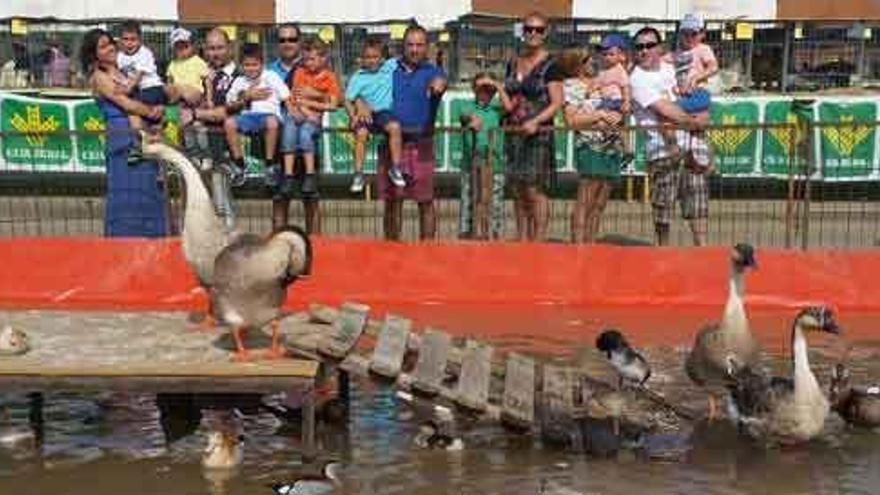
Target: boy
482 168
259 114
315 90
186 73
373 85
137 62
612 83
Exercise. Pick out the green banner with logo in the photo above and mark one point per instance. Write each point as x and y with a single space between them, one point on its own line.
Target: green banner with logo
90 147
735 148
847 147
783 139
35 150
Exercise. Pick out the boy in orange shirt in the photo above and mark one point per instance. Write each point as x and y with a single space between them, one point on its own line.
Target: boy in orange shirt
314 90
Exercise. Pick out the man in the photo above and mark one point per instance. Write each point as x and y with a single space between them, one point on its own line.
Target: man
289 59
652 83
418 88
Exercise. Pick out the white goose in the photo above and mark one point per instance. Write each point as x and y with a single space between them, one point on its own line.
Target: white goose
786 409
716 344
246 276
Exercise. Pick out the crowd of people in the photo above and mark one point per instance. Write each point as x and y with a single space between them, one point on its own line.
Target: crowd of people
395 100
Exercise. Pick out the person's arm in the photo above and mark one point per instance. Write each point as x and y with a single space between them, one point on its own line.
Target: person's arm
503 97
106 88
626 99
673 113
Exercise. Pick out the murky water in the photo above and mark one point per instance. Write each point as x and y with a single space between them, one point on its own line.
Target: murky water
116 443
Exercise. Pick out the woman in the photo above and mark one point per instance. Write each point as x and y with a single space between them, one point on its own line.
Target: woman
534 84
135 201
598 145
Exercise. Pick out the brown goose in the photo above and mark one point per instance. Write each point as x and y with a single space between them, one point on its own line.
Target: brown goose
859 406
255 272
716 344
785 409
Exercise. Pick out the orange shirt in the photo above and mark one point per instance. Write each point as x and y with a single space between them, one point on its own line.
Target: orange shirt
323 81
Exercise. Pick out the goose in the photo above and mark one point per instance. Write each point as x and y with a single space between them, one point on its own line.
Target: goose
13 341
225 450
246 276
787 409
328 482
716 344
629 364
435 435
858 406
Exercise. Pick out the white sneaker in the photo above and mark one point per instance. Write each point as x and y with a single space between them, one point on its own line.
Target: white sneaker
357 182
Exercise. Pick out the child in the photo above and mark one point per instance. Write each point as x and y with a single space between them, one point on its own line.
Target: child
137 62
258 115
695 63
315 91
483 168
186 74
372 84
612 82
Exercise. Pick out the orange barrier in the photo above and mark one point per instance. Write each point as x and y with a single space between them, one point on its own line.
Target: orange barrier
134 274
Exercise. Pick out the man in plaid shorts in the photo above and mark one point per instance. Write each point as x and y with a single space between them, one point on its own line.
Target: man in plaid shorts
652 82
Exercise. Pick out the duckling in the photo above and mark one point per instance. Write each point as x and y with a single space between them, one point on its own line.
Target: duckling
859 406
629 364
225 450
716 344
13 341
310 485
787 409
439 432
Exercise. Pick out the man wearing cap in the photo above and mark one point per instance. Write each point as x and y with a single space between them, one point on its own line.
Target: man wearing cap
652 83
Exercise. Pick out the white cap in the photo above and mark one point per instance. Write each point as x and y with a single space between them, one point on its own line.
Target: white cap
690 22
180 34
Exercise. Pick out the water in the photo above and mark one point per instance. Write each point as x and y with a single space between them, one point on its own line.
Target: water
111 442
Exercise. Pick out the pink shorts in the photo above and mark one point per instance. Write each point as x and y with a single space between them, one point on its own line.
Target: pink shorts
417 164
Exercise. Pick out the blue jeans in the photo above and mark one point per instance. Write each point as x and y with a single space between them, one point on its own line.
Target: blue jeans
696 101
299 136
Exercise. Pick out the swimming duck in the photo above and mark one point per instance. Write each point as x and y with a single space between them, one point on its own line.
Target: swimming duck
716 345
225 450
859 406
326 483
629 364
13 341
439 432
246 276
788 409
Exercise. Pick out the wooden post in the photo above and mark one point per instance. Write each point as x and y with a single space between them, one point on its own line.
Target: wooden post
308 426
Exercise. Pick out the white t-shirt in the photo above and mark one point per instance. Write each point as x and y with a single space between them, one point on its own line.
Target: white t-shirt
648 87
142 60
267 79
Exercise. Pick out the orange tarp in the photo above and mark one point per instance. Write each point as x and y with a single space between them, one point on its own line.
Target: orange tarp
135 274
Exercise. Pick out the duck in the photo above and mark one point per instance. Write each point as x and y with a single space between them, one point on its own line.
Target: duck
789 409
438 433
858 406
225 450
13 341
631 366
246 276
730 340
328 482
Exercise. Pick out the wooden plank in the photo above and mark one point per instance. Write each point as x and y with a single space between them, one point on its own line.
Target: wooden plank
431 365
473 384
388 354
348 327
558 389
558 421
518 402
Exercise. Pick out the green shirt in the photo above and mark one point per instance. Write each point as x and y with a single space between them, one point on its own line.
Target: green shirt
490 116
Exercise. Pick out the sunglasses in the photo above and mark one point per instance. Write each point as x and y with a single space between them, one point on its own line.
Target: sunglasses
288 40
645 46
534 29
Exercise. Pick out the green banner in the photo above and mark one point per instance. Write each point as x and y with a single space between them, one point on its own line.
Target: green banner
90 147
781 139
341 145
735 148
847 149
38 151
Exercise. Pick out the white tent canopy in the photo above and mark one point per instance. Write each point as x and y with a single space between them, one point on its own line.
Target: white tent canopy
429 13
674 9
90 9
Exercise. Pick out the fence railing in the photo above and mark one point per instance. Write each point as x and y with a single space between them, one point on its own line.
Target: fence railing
754 55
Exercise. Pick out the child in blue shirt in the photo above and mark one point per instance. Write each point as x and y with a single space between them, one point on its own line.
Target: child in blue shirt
372 84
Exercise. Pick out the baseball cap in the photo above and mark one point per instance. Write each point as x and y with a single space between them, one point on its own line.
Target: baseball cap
690 22
180 34
613 40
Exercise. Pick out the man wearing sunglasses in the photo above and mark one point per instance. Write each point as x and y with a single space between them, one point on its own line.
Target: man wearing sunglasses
652 82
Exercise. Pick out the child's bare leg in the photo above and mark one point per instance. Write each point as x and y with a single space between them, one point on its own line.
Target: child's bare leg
231 130
395 141
309 161
484 198
271 138
288 163
360 148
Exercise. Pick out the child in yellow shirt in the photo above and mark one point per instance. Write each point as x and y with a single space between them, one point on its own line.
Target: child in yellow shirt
186 74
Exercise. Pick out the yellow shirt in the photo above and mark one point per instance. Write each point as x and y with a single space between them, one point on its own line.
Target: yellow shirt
188 72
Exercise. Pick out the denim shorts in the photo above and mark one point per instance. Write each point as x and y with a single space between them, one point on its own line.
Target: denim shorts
610 104
299 136
696 101
380 119
252 122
